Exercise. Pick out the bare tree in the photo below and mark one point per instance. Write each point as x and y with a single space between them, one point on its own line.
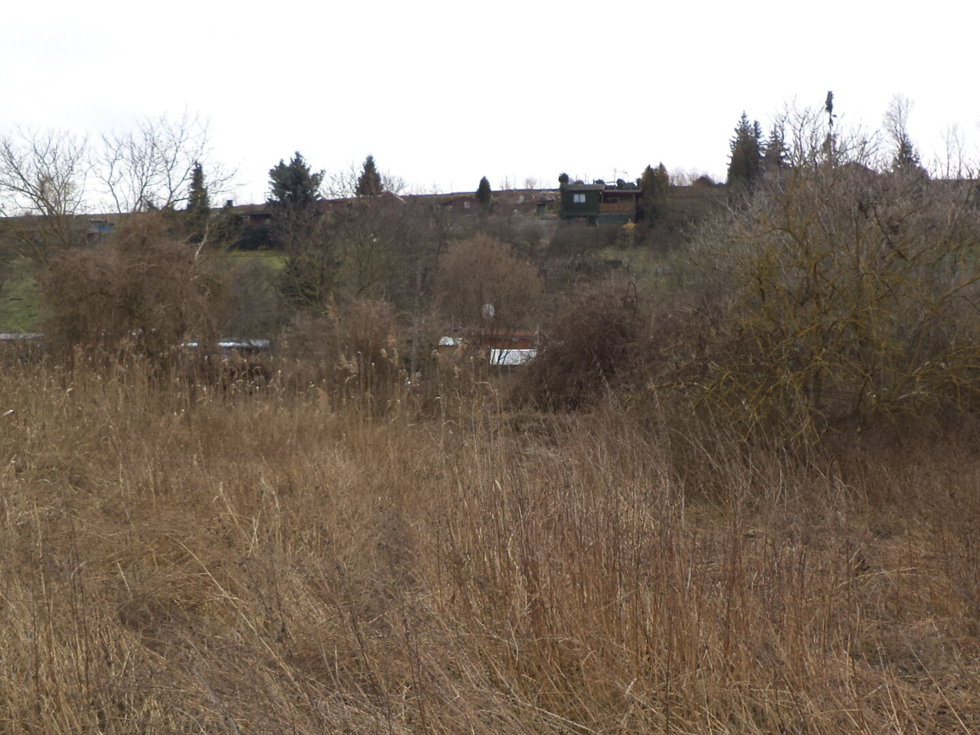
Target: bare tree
905 157
810 140
954 164
150 166
42 180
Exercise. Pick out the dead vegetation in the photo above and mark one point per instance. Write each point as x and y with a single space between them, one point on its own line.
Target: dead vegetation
278 562
749 508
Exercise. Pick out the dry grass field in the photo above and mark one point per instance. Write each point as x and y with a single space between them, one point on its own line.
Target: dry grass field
214 562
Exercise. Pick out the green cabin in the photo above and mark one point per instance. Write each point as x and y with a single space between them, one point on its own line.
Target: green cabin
599 202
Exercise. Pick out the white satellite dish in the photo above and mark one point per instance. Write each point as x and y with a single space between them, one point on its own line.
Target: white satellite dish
488 311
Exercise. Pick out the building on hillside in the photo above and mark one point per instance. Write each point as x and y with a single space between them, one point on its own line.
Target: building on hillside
599 202
461 204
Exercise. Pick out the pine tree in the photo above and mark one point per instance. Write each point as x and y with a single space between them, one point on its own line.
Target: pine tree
905 159
775 155
830 142
655 185
369 184
745 164
483 192
294 184
294 191
198 204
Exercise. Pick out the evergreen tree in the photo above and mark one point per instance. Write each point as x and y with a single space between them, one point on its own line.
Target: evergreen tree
294 184
654 185
483 192
775 155
369 184
745 164
905 158
197 197
830 142
294 191
198 204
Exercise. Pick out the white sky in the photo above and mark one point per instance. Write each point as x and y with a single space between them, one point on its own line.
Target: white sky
442 93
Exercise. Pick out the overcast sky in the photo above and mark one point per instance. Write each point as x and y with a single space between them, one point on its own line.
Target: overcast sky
442 92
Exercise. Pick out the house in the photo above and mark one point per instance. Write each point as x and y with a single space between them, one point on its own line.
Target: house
461 204
599 202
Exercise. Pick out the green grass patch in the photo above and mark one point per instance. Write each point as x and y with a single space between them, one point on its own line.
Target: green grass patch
20 297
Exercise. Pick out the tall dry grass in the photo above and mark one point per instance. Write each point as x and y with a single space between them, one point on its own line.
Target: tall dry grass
273 562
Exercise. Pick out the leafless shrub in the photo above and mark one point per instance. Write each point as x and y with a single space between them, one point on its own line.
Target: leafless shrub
483 271
137 293
845 294
589 347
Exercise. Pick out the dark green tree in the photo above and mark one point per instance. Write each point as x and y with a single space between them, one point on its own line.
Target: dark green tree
745 163
294 191
906 158
198 204
562 179
294 184
830 142
369 183
774 153
654 185
483 192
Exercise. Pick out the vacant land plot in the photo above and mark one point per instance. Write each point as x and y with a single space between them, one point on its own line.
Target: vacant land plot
177 561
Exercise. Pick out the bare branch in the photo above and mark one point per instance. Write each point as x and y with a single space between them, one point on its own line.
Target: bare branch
42 177
150 166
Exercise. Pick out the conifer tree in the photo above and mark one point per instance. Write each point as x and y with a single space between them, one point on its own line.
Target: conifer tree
905 158
198 204
294 191
197 197
369 183
745 163
483 192
654 184
774 155
830 142
294 184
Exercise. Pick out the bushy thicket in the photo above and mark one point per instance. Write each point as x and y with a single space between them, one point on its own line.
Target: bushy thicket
140 292
832 293
594 341
842 293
